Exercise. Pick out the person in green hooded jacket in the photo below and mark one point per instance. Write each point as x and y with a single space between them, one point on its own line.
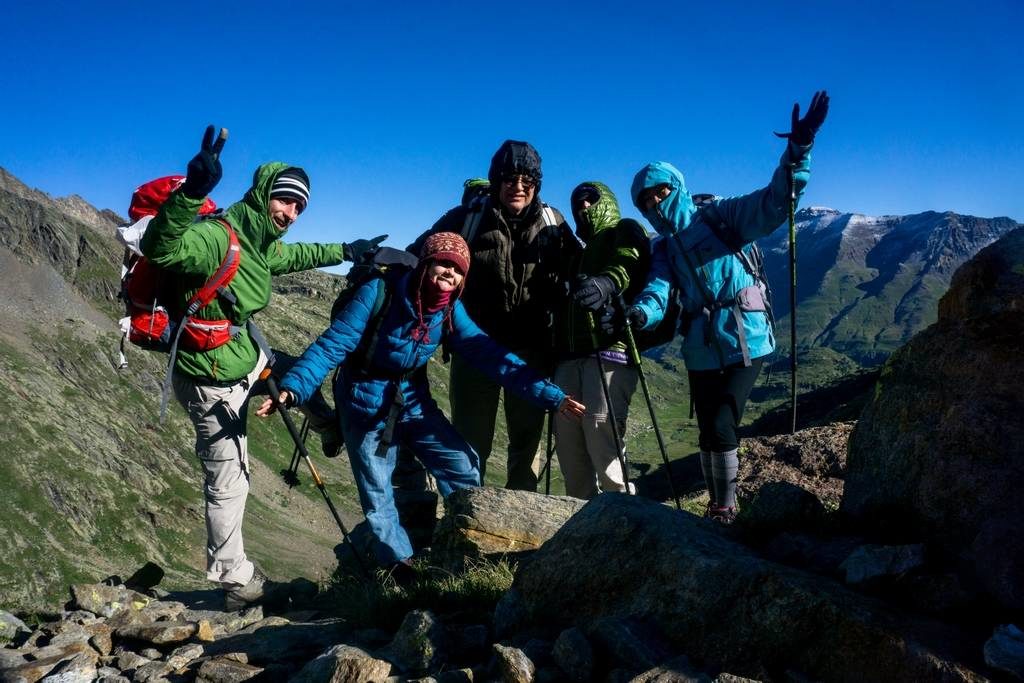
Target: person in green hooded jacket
613 261
212 381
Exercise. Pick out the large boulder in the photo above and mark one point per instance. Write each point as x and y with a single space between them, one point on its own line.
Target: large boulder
491 523
790 481
622 556
938 454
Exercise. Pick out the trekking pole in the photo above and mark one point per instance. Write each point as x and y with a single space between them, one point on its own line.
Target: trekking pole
547 466
301 447
291 475
620 446
634 354
792 298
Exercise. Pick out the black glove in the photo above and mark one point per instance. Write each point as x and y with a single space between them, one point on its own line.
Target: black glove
204 170
594 292
636 317
355 250
804 129
611 320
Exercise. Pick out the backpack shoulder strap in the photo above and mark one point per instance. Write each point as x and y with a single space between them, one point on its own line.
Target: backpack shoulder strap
380 305
474 216
549 215
217 282
749 255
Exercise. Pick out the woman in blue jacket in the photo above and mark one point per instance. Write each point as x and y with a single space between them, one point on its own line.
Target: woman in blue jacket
382 402
726 326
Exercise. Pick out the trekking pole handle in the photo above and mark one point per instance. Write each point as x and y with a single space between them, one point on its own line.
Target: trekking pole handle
619 302
275 393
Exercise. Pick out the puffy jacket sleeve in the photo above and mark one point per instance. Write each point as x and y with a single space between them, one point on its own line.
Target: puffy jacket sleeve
501 365
289 258
332 347
759 213
174 241
653 300
625 257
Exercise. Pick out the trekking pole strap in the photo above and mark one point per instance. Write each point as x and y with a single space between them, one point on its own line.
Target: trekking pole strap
264 346
165 392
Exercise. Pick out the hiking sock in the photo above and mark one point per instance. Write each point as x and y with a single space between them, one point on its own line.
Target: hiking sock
723 470
705 469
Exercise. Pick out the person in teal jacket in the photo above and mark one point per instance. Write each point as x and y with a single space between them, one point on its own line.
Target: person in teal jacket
383 402
726 328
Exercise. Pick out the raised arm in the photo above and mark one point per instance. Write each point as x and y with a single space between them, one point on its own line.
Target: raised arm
757 214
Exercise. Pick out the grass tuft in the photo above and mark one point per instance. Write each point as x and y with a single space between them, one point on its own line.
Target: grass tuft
382 603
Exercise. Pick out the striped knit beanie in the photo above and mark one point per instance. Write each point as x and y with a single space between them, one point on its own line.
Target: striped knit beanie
291 183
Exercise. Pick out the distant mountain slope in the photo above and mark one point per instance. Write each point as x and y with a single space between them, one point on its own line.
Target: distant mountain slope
866 284
91 485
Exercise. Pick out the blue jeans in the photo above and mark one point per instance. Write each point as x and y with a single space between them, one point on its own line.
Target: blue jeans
438 446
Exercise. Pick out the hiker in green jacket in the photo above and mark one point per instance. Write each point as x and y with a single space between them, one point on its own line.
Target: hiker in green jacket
615 259
212 378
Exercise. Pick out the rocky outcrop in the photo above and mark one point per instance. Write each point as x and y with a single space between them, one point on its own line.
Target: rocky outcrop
488 523
623 556
789 481
938 454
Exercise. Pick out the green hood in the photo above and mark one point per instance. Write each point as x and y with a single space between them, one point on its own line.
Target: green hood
251 216
600 216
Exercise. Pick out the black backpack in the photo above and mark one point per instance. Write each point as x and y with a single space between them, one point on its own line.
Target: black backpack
386 264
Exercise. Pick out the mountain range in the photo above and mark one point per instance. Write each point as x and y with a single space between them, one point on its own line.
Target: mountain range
866 284
93 485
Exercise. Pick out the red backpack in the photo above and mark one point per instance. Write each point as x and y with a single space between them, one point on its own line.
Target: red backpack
154 319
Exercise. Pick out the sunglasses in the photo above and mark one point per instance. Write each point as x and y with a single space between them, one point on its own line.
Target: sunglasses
526 181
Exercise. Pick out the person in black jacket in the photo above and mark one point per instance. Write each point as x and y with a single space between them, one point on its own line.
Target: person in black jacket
518 246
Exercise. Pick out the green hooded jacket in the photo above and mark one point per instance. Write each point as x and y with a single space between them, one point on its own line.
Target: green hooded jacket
615 247
176 243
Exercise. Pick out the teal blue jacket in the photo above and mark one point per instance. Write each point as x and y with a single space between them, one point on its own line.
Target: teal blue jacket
704 268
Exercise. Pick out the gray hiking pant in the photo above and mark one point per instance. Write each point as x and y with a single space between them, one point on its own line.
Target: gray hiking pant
219 414
474 401
587 452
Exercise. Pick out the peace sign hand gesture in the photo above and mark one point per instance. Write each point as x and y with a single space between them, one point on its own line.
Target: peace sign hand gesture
204 170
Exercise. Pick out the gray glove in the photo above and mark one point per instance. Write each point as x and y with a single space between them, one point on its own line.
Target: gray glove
355 250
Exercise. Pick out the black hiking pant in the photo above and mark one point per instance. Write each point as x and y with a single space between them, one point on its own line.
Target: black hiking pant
719 397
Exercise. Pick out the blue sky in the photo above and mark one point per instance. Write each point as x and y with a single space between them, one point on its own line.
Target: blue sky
390 107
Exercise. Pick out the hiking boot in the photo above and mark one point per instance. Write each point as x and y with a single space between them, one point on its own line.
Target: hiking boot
722 515
259 591
402 573
330 444
708 508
